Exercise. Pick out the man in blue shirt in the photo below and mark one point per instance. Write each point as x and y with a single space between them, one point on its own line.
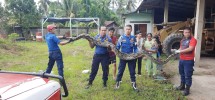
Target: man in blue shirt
127 44
54 51
101 55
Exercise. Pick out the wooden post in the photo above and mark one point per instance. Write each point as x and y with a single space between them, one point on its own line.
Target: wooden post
199 29
166 10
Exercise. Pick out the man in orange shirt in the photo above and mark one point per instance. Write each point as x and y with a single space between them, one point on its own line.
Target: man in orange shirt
186 63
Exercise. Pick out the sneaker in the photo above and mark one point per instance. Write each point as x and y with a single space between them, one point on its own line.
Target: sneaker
117 85
134 86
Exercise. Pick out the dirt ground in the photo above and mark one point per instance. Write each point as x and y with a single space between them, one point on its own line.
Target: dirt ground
203 87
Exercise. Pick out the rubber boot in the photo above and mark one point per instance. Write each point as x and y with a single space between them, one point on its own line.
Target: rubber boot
181 87
186 91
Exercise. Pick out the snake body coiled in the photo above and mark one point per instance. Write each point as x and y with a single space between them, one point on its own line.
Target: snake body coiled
121 55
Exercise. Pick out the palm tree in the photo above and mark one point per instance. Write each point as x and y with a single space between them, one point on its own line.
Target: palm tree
71 7
113 5
86 4
103 5
44 4
56 9
130 6
67 7
121 9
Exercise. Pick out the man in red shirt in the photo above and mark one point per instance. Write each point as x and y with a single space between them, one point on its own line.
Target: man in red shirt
111 53
186 63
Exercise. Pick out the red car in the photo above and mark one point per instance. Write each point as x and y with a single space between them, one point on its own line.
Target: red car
31 86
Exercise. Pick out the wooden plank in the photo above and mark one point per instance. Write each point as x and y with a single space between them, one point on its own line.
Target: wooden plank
140 22
199 29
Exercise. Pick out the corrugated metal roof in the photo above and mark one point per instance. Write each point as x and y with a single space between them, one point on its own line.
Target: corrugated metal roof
178 9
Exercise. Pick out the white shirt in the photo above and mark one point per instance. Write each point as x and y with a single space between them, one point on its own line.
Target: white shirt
139 44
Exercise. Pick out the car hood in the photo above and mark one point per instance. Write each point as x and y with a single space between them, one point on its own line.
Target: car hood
15 84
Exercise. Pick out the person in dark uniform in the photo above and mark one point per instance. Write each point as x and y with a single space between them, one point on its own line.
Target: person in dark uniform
127 44
54 51
101 55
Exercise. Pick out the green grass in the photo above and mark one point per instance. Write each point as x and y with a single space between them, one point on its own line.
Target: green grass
77 56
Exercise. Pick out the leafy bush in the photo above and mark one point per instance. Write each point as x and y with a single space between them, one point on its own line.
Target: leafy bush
13 36
74 35
2 41
93 34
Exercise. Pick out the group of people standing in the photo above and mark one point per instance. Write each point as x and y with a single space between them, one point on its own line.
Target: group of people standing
126 43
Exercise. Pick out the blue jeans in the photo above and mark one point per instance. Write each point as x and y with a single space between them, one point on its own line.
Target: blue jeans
186 71
131 67
55 56
97 59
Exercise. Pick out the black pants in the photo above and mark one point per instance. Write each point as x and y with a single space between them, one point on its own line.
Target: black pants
139 64
121 69
186 71
55 56
97 59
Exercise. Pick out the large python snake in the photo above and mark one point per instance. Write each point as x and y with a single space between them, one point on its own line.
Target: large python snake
121 55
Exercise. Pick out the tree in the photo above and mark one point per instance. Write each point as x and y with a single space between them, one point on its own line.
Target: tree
82 8
22 13
3 19
121 7
99 8
55 9
71 7
120 10
86 4
113 5
130 6
44 4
